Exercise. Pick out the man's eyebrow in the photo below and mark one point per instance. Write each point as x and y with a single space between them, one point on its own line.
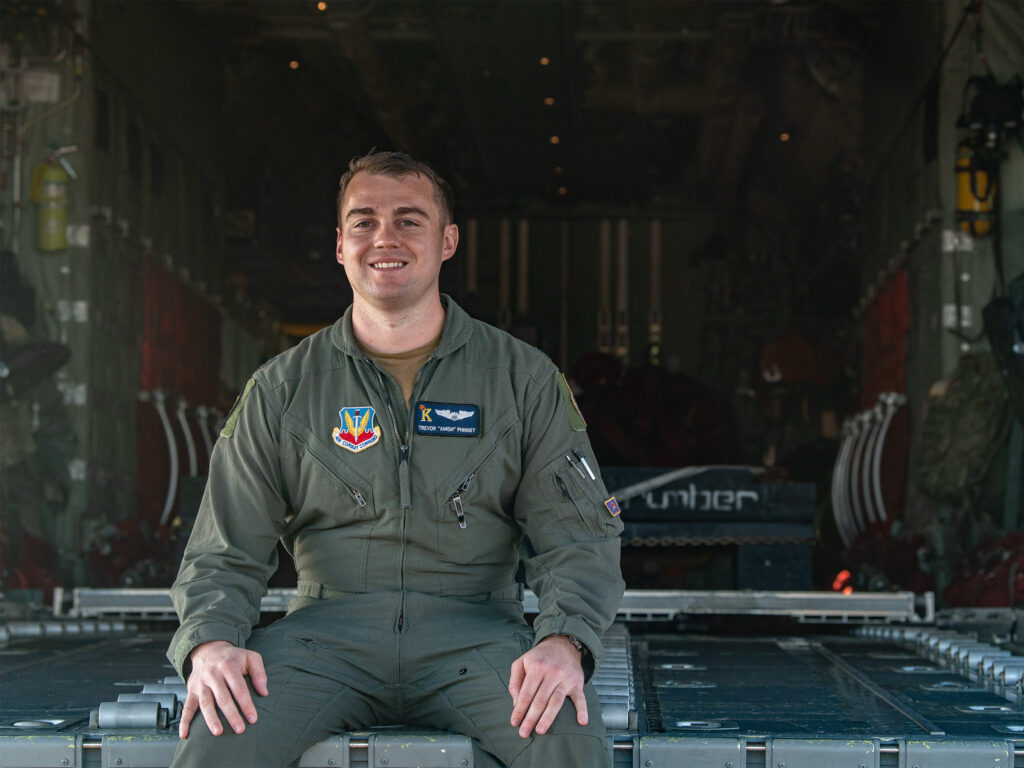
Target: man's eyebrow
406 210
402 211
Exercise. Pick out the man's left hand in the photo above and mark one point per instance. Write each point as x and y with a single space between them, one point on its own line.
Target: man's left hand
541 680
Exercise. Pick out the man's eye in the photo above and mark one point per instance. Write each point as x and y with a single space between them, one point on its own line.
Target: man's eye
409 223
361 225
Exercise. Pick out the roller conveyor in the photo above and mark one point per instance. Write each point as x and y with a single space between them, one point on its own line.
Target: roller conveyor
873 695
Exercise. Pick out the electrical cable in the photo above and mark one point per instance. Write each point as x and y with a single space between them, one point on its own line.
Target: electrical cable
137 105
975 7
997 239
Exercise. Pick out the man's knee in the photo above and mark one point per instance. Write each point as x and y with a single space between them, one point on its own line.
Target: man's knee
253 747
567 750
568 744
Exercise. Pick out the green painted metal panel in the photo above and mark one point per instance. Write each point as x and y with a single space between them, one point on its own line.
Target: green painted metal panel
673 751
151 750
423 750
928 753
825 753
39 751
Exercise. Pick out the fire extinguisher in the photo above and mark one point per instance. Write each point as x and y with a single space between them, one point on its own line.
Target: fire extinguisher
976 172
996 111
49 190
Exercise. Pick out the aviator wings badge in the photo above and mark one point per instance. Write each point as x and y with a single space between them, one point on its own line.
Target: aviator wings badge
357 431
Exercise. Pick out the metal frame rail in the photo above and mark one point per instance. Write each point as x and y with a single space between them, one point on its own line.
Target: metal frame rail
636 605
406 750
986 665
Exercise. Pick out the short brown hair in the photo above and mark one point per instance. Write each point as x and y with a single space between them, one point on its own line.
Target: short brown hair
399 165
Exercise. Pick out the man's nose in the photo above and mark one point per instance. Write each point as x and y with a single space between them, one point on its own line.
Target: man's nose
387 237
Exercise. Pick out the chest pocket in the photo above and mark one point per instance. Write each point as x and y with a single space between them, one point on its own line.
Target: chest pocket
475 486
320 485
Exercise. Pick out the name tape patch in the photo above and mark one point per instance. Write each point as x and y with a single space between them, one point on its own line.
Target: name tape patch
450 419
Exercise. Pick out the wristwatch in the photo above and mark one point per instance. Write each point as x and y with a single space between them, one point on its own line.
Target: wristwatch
577 644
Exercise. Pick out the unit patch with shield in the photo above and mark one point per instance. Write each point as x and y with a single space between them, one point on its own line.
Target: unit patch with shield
452 419
357 431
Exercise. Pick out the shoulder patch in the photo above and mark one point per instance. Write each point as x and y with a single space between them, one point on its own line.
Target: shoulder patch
229 426
576 420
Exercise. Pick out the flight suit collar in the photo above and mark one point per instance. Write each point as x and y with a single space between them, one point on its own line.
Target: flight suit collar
458 327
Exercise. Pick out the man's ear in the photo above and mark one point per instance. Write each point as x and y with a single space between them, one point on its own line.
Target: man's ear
449 242
337 250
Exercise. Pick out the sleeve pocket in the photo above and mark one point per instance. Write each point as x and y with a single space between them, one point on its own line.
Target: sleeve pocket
579 501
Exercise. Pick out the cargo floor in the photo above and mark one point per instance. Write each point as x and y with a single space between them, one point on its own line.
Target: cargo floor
688 700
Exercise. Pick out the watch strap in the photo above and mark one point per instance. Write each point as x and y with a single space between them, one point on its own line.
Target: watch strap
579 646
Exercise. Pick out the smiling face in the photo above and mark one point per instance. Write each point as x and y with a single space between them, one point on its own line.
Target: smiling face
392 240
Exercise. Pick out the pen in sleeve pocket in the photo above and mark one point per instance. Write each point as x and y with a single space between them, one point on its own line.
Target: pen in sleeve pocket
574 465
586 466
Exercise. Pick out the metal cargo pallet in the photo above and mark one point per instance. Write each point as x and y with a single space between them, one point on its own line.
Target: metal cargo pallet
893 697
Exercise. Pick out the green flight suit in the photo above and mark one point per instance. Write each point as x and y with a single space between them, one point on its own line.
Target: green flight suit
406 535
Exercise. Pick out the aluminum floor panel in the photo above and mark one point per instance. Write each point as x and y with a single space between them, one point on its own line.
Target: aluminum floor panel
797 687
822 701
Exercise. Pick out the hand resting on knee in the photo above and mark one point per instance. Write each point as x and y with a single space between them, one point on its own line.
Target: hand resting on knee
218 682
541 680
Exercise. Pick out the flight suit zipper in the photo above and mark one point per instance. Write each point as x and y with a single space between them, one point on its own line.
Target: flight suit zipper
456 500
404 482
403 466
354 492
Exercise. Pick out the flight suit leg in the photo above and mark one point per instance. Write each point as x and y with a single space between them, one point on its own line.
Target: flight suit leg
317 687
460 658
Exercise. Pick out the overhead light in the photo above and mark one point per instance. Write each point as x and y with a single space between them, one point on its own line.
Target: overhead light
544 61
554 139
783 136
562 191
549 101
321 6
293 64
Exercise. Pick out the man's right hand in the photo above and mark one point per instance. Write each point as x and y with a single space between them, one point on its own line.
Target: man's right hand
218 681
